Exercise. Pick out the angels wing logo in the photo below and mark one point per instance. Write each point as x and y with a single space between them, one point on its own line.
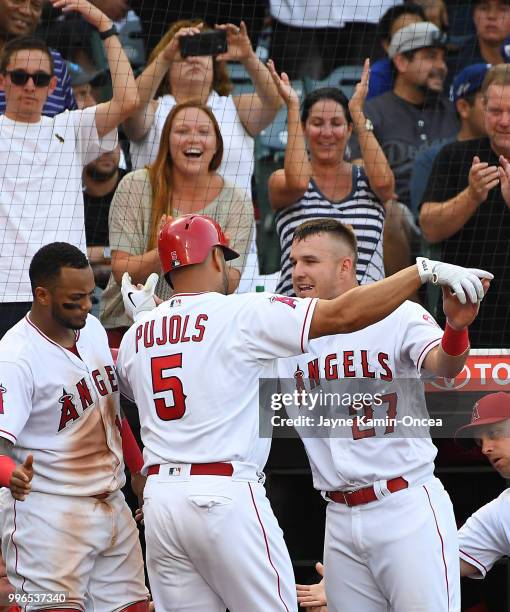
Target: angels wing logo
299 376
2 391
451 384
475 416
68 411
430 319
284 299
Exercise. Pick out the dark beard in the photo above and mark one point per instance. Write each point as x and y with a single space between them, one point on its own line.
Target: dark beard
100 177
431 96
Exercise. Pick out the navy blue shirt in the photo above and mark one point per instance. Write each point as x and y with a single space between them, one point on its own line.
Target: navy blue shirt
381 78
62 98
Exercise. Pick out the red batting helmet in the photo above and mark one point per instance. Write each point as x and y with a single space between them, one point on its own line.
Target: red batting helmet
188 240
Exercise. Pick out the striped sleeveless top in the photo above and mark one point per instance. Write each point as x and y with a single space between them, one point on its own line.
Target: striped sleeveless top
361 209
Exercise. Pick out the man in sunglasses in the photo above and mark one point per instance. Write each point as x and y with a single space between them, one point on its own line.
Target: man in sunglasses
22 19
42 158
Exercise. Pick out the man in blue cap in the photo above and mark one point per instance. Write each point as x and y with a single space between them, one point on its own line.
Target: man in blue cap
485 537
465 93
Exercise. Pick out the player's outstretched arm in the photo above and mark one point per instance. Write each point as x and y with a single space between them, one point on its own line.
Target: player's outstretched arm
16 477
368 304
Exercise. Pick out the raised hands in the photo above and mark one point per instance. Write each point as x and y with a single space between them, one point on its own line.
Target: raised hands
482 178
283 85
172 52
238 43
88 11
357 101
504 178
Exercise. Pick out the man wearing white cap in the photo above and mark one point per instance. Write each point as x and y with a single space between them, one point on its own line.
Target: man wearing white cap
485 537
415 113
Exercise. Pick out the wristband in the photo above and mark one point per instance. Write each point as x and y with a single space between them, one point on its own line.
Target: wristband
7 467
130 449
107 33
455 343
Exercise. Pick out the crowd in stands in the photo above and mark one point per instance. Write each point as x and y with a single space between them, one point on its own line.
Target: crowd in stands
106 132
412 154
376 161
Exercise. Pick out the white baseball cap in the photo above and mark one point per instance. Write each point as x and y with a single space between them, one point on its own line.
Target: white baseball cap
416 36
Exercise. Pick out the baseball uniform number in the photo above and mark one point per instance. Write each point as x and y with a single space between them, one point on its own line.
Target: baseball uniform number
368 414
163 384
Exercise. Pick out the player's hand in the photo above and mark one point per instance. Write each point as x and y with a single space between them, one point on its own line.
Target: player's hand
238 43
482 178
312 596
282 83
88 11
21 478
462 281
139 515
139 299
460 315
138 485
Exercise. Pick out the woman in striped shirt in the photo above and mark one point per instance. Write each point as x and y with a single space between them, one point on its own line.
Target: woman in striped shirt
316 181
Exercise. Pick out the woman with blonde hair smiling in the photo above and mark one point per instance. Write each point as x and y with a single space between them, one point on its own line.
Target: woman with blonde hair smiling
183 179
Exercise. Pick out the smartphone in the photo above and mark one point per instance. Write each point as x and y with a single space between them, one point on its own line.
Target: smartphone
205 43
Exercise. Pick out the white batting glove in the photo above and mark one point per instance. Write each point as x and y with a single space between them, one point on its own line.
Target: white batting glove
138 301
461 281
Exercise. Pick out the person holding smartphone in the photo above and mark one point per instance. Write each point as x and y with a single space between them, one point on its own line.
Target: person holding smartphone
170 79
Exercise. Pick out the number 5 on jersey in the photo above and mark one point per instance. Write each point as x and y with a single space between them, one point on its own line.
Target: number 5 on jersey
163 384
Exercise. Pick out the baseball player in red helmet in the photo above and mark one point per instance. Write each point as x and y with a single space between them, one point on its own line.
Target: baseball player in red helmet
68 538
193 365
485 536
391 537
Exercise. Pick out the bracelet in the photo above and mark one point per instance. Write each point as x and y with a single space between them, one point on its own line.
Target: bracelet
107 33
454 342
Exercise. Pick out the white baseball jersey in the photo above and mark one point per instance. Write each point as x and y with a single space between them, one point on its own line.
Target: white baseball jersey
485 536
193 367
63 409
389 350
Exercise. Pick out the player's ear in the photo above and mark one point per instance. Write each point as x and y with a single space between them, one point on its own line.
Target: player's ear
347 265
218 259
42 296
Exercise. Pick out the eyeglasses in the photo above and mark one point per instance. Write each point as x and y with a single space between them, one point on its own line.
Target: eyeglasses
20 77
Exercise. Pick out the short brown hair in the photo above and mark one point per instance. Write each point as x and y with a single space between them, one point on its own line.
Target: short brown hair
328 226
497 75
222 84
23 43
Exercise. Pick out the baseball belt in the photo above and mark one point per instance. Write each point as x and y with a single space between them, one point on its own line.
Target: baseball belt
366 494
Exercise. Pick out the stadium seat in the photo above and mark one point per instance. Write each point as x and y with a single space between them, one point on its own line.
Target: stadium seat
344 77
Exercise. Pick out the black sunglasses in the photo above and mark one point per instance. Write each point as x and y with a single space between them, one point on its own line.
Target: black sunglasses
20 77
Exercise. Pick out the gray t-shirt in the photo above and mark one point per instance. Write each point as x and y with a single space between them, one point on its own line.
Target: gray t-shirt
403 130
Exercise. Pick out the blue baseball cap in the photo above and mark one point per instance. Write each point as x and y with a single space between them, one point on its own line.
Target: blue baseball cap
468 81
